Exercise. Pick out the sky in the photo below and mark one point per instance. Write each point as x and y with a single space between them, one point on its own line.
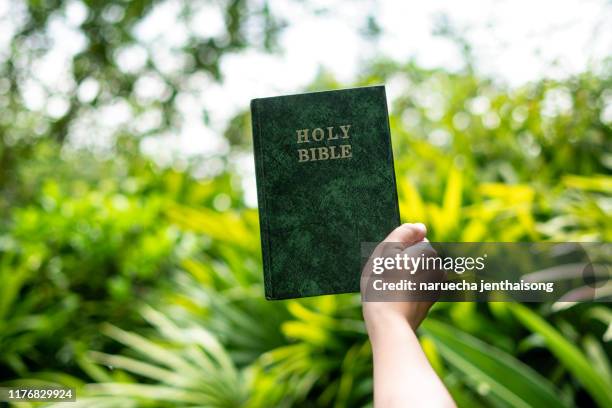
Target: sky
514 41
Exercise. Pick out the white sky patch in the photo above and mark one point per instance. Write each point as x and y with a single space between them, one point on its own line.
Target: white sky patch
33 95
513 41
88 90
160 26
131 58
75 12
207 21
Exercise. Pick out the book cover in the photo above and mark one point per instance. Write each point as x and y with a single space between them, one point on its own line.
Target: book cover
325 183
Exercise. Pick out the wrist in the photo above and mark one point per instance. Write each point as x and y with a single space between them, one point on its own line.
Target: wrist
385 323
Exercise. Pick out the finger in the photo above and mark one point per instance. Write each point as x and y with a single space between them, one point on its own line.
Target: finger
407 234
400 238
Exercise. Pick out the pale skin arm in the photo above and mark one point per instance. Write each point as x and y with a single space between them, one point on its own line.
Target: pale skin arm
403 376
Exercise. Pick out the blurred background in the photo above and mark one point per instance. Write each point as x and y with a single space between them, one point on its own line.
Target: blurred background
130 265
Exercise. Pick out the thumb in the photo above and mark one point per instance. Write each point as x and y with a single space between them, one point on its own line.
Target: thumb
407 234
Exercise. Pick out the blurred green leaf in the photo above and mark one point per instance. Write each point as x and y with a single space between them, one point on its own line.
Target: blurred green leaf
599 386
493 370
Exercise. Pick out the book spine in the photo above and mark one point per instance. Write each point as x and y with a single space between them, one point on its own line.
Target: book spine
391 160
261 198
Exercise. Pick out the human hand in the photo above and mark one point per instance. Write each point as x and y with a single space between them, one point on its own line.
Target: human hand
403 239
402 374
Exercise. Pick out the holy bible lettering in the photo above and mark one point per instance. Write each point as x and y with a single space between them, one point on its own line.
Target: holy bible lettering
327 152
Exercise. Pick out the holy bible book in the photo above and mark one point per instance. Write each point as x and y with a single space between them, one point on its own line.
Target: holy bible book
325 183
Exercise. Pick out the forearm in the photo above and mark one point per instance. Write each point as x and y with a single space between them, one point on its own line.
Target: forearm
402 374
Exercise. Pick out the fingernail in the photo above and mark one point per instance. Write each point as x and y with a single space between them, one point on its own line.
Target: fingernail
420 226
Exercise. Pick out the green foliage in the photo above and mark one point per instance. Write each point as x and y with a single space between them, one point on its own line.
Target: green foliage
481 364
74 256
598 383
141 285
97 38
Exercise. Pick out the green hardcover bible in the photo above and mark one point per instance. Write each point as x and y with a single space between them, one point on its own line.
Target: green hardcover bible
325 183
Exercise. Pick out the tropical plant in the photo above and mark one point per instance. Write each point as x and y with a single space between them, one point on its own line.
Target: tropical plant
154 275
